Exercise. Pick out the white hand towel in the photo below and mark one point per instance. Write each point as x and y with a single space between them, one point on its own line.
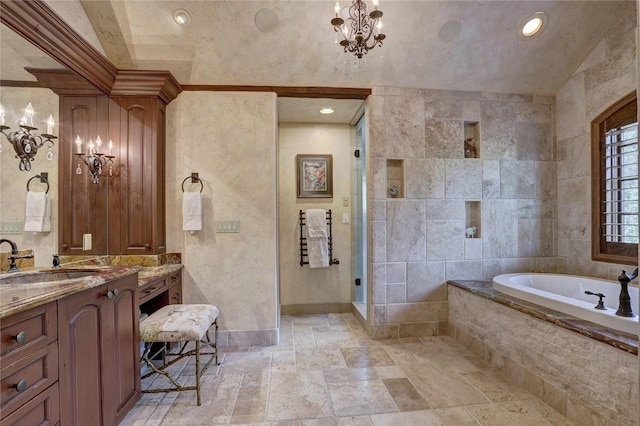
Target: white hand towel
35 210
46 224
317 242
191 211
316 223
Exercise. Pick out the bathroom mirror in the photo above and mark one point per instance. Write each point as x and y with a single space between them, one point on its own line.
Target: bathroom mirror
18 88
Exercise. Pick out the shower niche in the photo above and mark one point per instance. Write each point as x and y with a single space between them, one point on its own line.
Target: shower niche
395 178
471 139
473 219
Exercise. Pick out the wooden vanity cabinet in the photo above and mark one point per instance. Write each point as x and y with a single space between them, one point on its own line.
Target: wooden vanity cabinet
175 288
29 367
99 353
137 215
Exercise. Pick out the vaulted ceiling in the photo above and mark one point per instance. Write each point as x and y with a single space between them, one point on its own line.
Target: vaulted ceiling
439 44
291 43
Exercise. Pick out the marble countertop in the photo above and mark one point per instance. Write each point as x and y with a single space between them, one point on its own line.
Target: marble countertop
626 342
30 293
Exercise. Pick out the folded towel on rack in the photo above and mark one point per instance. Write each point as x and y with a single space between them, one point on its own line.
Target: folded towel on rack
317 241
316 220
36 211
191 211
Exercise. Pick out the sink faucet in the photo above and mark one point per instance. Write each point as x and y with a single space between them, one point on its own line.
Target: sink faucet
624 308
14 255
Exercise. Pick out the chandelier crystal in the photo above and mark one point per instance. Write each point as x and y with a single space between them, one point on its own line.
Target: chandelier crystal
361 31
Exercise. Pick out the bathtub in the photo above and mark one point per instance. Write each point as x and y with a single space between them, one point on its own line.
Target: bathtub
565 293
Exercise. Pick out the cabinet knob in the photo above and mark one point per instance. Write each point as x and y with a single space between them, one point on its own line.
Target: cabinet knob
20 337
115 292
21 386
109 295
147 246
176 297
65 247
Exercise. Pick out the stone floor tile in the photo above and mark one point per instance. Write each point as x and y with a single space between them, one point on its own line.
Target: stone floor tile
405 395
319 359
408 418
251 405
361 397
366 357
488 386
300 395
349 375
456 416
336 339
246 362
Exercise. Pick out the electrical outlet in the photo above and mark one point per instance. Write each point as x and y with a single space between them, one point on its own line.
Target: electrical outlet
86 242
345 217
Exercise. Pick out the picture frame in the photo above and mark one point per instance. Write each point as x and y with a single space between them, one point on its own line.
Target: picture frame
314 175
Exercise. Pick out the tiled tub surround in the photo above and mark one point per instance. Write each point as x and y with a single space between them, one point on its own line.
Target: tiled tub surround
586 372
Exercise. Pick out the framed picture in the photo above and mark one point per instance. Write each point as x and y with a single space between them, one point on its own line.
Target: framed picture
314 176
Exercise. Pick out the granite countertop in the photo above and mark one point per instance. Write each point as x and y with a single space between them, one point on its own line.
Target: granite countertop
30 293
150 273
625 341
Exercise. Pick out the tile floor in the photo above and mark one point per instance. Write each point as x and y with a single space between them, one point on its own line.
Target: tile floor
327 371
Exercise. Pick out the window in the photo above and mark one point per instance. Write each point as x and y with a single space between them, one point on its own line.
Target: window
615 183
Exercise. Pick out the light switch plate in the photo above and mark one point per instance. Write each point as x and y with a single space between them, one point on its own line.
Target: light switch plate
345 201
10 228
227 226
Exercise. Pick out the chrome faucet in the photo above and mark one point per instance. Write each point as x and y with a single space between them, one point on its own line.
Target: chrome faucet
14 255
624 308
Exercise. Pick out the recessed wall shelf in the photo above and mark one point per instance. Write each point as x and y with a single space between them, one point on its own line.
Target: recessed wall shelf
395 178
471 139
473 219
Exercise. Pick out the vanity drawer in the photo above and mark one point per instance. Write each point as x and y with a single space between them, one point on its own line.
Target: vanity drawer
175 278
152 289
44 409
22 380
25 332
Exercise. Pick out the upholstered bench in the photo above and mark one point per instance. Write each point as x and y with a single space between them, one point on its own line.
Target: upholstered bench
179 323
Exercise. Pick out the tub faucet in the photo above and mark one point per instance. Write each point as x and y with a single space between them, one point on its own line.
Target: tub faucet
14 255
624 308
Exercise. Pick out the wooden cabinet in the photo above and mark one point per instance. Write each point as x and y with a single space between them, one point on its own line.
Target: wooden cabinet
29 367
83 205
175 288
99 353
137 215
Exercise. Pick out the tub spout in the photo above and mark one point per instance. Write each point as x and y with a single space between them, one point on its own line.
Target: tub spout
624 307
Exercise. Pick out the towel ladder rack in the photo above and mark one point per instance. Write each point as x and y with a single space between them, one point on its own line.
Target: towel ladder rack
303 240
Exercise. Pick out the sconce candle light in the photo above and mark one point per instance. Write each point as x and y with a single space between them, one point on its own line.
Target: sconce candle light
25 142
94 160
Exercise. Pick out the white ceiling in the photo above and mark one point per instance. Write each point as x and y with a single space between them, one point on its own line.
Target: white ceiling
223 44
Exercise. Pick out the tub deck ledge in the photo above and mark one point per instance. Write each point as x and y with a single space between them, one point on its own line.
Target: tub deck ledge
484 288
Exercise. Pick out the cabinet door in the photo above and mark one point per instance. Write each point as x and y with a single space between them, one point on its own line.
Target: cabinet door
140 124
175 287
83 323
124 352
83 205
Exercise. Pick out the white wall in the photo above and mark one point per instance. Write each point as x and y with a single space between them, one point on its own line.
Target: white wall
230 140
322 289
13 181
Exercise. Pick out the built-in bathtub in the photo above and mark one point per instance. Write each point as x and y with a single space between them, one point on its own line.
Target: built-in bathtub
566 294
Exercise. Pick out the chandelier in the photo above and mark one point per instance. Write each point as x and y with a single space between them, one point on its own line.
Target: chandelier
93 159
361 31
25 142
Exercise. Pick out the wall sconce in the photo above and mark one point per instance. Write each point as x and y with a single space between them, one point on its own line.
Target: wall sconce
25 142
94 160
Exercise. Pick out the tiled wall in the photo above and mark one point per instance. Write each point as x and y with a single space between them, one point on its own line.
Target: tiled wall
418 241
589 382
607 75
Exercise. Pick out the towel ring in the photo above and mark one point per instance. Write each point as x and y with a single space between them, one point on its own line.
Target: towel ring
198 180
42 179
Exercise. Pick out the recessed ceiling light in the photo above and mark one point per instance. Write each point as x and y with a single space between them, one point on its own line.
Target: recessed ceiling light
326 110
532 25
181 17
